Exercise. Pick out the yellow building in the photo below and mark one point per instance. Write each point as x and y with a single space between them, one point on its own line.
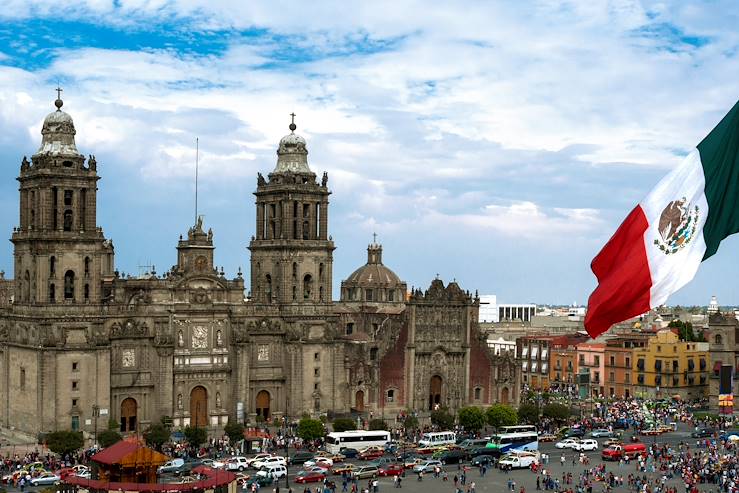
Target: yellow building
668 367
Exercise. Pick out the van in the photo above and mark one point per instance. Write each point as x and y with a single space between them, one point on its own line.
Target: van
365 472
471 443
517 461
617 452
171 466
275 471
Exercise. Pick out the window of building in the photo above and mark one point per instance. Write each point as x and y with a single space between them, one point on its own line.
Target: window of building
628 362
478 393
369 294
87 292
75 423
596 377
659 349
23 378
640 378
611 377
717 339
390 395
612 391
320 272
613 361
87 266
69 285
74 385
674 349
74 402
582 359
315 386
295 293
349 328
68 220
52 293
316 372
307 286
67 197
391 295
317 356
627 377
295 270
373 354
596 360
75 366
52 266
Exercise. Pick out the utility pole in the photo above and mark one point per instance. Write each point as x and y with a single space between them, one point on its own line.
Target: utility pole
95 414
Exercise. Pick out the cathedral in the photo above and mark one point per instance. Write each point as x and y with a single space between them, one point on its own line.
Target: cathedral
81 343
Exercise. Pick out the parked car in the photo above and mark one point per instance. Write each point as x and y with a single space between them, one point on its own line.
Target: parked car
585 444
427 466
275 471
269 461
252 460
300 457
371 453
366 472
171 466
601 433
453 456
324 462
566 443
487 460
45 479
344 468
393 469
309 477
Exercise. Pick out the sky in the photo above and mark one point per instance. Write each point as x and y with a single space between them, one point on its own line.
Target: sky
498 144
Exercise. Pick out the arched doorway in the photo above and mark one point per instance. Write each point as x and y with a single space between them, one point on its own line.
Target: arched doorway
263 401
199 407
504 395
359 401
129 409
435 392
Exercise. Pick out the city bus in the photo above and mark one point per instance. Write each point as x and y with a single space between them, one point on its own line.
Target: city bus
356 439
437 438
508 441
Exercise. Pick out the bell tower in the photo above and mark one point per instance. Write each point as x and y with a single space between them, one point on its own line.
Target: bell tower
291 253
61 256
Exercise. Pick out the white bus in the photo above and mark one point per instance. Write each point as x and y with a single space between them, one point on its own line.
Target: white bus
356 439
437 438
515 441
518 429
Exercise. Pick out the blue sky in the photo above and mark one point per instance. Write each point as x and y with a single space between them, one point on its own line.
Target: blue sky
496 143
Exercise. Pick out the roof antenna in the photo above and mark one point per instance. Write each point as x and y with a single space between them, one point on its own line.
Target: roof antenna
197 155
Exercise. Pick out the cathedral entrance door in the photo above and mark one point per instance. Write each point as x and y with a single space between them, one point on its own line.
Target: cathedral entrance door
263 402
359 401
129 409
199 407
435 392
504 395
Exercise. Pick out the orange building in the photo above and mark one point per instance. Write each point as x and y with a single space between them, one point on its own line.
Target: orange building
563 356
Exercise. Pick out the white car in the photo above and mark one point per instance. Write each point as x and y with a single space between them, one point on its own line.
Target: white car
257 458
213 463
324 462
237 464
567 443
84 475
586 444
45 479
269 461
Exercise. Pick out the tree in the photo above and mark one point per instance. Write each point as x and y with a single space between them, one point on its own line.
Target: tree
310 429
556 412
528 413
410 423
501 415
106 438
472 418
234 430
64 442
156 435
685 331
442 419
377 424
344 424
195 435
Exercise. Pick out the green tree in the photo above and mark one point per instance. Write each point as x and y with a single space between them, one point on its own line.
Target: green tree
106 438
156 435
410 423
64 442
344 424
685 331
441 418
556 412
377 424
501 415
472 418
195 435
234 430
528 413
310 429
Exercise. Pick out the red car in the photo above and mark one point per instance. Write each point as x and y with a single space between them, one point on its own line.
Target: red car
309 477
371 454
391 470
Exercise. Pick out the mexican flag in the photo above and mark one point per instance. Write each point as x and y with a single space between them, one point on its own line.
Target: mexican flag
661 243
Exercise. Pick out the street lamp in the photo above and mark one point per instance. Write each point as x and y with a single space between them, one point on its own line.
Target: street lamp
95 414
287 456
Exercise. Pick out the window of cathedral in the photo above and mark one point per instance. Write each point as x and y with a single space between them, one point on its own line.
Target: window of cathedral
68 220
69 285
369 295
52 293
306 230
55 201
295 270
75 423
320 293
87 292
718 339
478 393
391 295
67 197
390 395
349 328
74 402
373 353
75 366
307 286
268 288
23 378
75 385
295 293
316 372
27 286
320 272
52 266
67 164
87 266
317 356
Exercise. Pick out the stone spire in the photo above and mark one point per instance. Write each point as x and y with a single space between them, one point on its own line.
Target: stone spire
292 154
57 133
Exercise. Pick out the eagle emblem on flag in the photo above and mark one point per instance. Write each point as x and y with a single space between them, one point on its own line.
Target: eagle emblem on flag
677 225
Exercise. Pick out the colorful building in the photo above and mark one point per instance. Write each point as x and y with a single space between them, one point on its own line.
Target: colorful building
591 359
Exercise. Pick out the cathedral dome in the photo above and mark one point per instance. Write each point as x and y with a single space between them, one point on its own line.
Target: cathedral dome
373 281
292 154
57 134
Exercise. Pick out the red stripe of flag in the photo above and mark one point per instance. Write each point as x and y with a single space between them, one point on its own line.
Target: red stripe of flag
624 280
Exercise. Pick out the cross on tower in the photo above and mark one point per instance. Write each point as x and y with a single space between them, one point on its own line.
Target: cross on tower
292 115
374 238
59 91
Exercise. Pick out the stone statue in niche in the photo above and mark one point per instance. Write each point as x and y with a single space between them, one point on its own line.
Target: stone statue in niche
180 339
179 401
218 400
219 339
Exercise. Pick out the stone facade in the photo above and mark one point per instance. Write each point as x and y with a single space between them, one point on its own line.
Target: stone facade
187 344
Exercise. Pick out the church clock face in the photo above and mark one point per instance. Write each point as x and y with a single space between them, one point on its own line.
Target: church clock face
201 263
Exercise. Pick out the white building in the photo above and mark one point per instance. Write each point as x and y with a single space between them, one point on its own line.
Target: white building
493 312
500 345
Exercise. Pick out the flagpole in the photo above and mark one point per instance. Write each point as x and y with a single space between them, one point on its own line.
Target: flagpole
197 153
